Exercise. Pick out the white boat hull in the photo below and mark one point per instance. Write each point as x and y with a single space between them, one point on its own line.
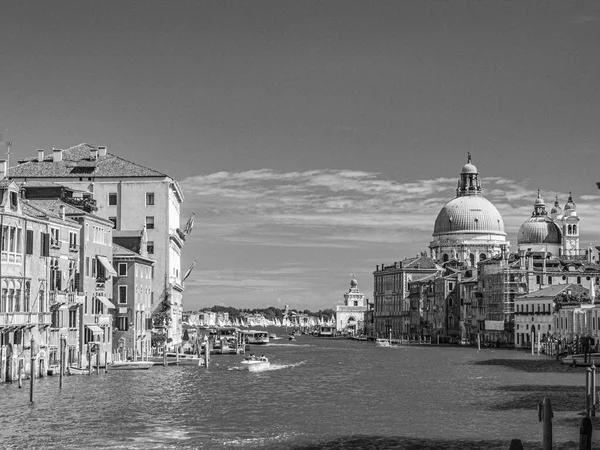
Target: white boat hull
130 365
255 365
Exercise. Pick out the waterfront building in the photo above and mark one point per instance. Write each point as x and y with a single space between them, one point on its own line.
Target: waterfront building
132 197
468 228
24 269
391 313
350 317
80 282
132 293
537 316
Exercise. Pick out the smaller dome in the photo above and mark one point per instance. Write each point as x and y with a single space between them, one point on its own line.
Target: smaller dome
539 201
539 230
570 203
468 167
353 283
556 209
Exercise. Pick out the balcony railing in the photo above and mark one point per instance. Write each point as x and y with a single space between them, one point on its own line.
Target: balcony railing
25 318
74 248
72 335
54 243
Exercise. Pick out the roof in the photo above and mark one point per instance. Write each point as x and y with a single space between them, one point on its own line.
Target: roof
41 209
76 162
52 205
553 291
127 233
469 214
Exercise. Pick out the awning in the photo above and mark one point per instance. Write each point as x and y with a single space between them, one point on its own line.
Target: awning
95 329
107 265
106 302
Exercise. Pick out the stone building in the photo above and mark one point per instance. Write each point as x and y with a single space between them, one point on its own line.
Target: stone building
350 317
132 197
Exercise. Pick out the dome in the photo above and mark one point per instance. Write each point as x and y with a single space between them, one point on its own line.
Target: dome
556 209
469 214
353 283
539 230
570 203
469 168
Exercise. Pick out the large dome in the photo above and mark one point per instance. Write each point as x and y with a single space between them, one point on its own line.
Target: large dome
539 230
469 214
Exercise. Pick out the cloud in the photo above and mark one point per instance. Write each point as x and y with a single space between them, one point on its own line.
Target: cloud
317 208
583 18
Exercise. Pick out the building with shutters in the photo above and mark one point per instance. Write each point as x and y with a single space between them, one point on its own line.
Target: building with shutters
132 197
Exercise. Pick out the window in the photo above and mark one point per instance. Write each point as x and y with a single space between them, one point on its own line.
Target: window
54 238
150 247
150 222
87 266
72 240
149 198
114 221
122 295
123 323
112 199
12 244
122 269
72 318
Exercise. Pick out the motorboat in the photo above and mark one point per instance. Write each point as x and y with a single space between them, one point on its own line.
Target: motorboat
254 337
380 342
130 365
255 364
274 337
580 360
291 337
73 370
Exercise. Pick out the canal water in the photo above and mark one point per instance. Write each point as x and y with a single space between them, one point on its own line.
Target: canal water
319 393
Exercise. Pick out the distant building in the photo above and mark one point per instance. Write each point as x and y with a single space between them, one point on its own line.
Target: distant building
350 317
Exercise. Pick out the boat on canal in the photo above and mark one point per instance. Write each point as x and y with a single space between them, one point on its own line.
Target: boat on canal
254 337
380 342
580 360
74 370
183 359
255 364
130 365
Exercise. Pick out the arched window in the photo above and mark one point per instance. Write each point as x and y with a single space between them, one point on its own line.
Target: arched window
482 257
569 229
451 321
445 257
472 258
574 229
549 280
538 279
450 302
578 280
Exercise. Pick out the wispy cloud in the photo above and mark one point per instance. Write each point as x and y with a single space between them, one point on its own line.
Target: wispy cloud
583 18
317 207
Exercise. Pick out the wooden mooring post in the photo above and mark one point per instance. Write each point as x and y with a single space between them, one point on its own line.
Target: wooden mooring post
545 415
32 370
61 371
516 444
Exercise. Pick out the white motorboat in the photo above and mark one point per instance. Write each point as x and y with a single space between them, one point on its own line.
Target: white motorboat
73 370
130 365
254 364
382 343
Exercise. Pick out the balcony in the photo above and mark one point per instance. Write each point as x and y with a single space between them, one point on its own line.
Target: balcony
55 243
74 248
101 282
72 335
25 318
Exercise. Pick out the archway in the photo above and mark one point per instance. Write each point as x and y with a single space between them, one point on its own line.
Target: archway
8 374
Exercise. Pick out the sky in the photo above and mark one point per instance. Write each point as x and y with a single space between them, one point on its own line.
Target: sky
314 140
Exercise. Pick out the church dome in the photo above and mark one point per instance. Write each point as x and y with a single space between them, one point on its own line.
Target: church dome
556 209
469 214
539 230
469 168
570 205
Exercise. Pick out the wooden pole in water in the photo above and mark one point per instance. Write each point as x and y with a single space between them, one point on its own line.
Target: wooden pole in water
20 376
516 444
585 434
98 362
588 376
479 344
547 428
105 362
62 361
31 370
177 355
593 388
164 355
89 358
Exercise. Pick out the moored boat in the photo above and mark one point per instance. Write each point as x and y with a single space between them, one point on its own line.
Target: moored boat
130 365
579 359
72 370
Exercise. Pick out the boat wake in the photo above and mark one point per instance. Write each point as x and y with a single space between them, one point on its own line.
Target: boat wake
289 345
271 367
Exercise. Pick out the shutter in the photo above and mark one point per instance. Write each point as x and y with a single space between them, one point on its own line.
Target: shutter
45 251
59 280
29 242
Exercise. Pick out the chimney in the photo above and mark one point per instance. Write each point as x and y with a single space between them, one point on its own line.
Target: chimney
3 168
57 155
93 154
102 150
40 154
62 212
